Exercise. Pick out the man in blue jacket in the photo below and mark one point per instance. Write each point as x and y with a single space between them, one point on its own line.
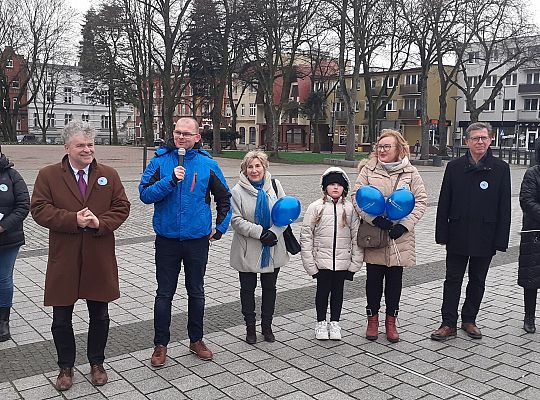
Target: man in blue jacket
183 225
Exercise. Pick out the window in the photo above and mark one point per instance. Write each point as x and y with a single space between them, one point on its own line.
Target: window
411 79
294 135
411 104
472 81
533 77
242 109
9 63
242 132
252 109
338 107
252 135
511 80
19 124
68 118
490 105
509 105
293 93
473 57
391 105
228 111
391 82
531 104
50 120
35 120
68 95
491 80
85 96
15 101
319 86
15 84
85 117
356 106
104 122
104 99
373 82
50 94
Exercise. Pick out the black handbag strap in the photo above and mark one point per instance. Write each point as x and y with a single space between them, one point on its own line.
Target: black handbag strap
274 186
397 181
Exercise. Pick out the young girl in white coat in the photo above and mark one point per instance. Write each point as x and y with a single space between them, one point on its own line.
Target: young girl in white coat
329 249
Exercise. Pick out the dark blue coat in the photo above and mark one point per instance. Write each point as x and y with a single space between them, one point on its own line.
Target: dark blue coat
474 210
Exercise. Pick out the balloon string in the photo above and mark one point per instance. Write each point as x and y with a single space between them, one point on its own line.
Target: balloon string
397 251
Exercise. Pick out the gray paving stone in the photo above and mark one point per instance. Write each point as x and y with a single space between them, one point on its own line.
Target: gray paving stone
115 388
272 364
133 395
404 391
295 396
205 393
381 381
291 375
207 369
172 372
188 382
347 383
238 367
150 385
370 392
138 374
508 371
40 392
474 387
304 362
241 391
223 380
438 391
276 388
8 393
167 394
81 389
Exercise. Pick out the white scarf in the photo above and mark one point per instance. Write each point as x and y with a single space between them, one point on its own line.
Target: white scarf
394 166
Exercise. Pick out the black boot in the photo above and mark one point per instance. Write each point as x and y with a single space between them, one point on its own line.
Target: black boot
268 334
528 324
251 335
4 324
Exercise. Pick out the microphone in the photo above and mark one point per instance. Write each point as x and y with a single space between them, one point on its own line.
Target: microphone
181 154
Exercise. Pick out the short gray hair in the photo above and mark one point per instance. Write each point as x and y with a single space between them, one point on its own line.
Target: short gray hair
77 127
476 126
250 156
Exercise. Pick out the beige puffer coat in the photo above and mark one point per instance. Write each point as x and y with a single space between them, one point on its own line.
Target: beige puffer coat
330 244
246 248
375 174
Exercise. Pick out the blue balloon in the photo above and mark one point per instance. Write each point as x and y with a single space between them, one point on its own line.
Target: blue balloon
370 200
399 204
285 211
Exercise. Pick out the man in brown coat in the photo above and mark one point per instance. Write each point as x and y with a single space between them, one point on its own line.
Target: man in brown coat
82 203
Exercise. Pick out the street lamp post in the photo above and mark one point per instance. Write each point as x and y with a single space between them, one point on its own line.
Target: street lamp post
456 98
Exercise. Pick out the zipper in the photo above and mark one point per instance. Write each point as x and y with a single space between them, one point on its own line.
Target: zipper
193 182
335 236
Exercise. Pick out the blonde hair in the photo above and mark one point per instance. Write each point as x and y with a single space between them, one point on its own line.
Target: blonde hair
401 144
343 216
250 156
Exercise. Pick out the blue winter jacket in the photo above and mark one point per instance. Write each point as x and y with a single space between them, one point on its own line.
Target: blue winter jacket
182 209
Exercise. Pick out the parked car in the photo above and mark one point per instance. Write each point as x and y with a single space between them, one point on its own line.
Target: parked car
29 139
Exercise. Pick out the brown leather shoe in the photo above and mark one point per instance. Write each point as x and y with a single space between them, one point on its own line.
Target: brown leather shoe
201 350
159 356
98 374
444 333
65 379
372 330
472 330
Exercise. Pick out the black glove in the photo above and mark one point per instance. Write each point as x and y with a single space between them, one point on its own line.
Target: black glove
349 275
382 222
217 235
397 231
268 238
315 276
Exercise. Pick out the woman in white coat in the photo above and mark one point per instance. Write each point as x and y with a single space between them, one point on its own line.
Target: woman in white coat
257 246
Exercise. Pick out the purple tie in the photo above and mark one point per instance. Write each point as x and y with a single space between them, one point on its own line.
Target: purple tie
82 183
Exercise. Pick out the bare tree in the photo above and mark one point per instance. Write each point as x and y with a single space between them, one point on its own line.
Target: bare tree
40 29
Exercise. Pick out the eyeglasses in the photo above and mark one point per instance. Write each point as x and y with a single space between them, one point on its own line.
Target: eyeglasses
184 134
384 147
477 139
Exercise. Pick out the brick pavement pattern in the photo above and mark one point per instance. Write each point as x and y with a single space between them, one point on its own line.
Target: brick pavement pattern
504 364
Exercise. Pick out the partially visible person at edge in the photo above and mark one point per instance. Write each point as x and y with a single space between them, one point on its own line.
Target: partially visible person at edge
389 167
473 221
183 225
81 202
529 247
14 207
257 246
330 252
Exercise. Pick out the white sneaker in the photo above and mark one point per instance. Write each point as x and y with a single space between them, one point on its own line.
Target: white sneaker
321 330
335 330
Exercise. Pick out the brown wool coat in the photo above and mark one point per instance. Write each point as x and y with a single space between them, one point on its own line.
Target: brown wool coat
82 262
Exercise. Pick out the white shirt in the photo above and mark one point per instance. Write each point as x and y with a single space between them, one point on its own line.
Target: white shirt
76 172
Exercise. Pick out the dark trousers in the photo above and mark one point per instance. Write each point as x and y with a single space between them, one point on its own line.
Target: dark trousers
64 339
389 277
529 297
248 283
456 265
329 283
170 255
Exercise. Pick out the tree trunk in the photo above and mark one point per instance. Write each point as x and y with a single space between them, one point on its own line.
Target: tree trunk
424 153
316 145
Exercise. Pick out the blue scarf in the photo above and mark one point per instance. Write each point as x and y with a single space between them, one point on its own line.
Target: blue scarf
262 217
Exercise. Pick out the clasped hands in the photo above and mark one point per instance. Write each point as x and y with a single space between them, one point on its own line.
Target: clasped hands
87 219
394 231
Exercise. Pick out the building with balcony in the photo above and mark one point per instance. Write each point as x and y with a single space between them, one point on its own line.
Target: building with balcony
403 110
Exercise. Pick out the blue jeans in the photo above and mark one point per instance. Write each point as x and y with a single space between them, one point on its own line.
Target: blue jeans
7 262
170 254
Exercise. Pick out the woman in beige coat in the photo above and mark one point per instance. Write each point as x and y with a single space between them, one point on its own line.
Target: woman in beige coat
257 246
329 249
389 167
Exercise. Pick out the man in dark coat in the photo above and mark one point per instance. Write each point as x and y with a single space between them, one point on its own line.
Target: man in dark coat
82 203
473 221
